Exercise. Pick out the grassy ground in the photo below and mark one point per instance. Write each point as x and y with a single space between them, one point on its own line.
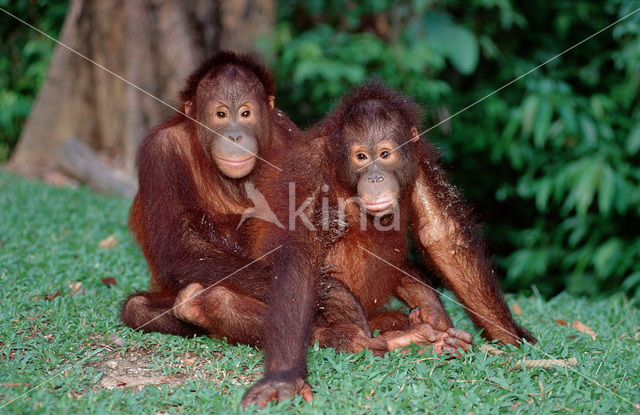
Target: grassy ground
56 355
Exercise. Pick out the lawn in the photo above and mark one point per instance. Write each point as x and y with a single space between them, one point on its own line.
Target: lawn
64 350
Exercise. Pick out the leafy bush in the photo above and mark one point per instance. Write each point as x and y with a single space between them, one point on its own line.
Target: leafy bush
550 162
24 58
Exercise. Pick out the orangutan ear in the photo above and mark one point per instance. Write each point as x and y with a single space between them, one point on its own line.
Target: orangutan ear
414 134
271 101
188 106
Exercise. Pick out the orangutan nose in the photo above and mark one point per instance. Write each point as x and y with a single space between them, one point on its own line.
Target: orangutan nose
375 178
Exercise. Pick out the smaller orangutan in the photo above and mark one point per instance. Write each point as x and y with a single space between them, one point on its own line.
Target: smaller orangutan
364 185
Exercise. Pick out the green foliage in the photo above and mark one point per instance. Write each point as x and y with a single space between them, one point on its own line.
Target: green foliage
568 136
60 347
551 162
24 58
322 52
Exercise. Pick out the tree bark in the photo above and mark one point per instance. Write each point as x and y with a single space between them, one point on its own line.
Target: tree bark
245 21
78 160
155 45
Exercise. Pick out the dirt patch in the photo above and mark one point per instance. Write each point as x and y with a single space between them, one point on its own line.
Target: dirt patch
138 368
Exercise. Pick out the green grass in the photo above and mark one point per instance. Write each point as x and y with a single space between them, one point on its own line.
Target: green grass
49 240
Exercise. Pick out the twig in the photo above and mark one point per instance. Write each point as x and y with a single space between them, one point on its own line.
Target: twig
401 389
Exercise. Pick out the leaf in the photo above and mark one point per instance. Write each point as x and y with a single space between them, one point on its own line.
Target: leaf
543 192
51 296
529 110
494 351
109 242
582 328
631 281
633 141
117 340
74 395
597 107
512 124
561 322
542 123
585 188
568 116
463 49
606 189
75 287
110 382
456 42
545 363
589 131
605 257
109 281
516 309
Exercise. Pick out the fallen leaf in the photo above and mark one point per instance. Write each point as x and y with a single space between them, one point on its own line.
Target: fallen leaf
581 327
515 405
130 382
117 340
109 242
188 361
108 382
57 178
561 322
545 363
487 348
51 296
109 281
516 309
74 395
75 287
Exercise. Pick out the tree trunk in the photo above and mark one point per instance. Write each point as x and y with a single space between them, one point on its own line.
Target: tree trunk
155 45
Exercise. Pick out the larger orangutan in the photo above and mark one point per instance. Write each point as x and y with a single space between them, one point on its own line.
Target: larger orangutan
364 185
194 174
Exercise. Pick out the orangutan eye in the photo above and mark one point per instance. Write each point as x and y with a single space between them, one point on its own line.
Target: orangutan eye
361 156
384 154
245 114
221 114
